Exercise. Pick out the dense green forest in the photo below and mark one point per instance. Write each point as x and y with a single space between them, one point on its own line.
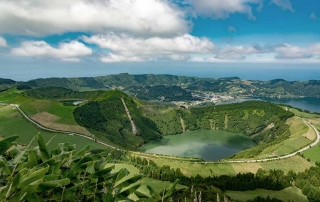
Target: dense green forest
160 92
152 86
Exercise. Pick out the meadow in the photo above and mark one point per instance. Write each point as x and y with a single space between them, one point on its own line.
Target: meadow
12 123
300 135
295 163
289 194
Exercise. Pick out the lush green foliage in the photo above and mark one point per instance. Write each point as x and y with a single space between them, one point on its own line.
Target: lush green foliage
108 119
160 92
63 174
309 183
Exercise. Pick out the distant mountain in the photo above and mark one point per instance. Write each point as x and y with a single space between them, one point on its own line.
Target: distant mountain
180 88
6 83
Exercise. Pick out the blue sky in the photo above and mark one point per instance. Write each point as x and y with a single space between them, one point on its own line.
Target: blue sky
154 33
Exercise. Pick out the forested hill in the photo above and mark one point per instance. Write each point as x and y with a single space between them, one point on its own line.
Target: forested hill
6 83
151 86
105 116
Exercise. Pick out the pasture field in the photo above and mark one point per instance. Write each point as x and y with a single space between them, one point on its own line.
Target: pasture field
12 123
303 114
49 113
295 163
313 154
289 194
301 135
32 106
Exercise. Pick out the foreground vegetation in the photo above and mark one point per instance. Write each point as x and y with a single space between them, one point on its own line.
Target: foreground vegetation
63 174
37 174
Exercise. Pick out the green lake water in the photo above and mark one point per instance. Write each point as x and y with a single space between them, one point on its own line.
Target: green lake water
205 144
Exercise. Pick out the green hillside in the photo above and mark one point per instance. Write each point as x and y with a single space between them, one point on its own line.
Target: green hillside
228 86
104 115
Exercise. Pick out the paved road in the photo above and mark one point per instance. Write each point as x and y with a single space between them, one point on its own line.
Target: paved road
205 162
59 131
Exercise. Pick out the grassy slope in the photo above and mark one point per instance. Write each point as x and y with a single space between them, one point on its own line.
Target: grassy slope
291 193
187 168
303 114
12 123
295 163
296 140
64 114
313 153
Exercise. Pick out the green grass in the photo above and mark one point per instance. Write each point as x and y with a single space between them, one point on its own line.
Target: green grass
33 106
12 123
289 194
295 163
313 154
65 113
303 114
295 142
191 169
292 145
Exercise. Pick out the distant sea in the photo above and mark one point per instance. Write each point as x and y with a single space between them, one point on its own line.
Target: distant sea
264 72
310 104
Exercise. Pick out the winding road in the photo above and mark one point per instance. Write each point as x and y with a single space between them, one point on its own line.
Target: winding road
205 162
59 131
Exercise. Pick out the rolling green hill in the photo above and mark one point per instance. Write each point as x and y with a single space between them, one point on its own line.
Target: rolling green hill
149 86
105 116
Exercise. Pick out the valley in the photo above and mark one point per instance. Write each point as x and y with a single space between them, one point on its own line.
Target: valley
218 140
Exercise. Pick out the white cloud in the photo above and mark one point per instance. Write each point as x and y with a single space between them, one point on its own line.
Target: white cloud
284 4
237 52
154 45
277 51
44 17
288 51
110 58
313 16
152 48
176 57
3 42
70 51
232 29
218 9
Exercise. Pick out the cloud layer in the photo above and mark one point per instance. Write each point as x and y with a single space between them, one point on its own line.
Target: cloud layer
222 9
70 51
43 17
141 49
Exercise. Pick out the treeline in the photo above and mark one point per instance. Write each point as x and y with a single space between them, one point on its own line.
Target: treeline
211 186
309 183
160 92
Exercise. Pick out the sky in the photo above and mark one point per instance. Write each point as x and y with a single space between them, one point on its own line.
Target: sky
45 38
